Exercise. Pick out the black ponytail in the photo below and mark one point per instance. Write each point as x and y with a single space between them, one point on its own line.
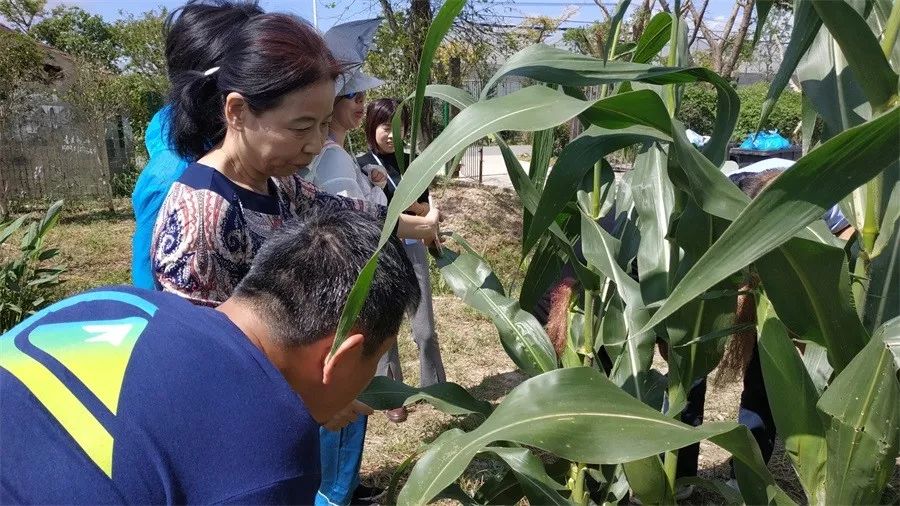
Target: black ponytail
197 113
270 56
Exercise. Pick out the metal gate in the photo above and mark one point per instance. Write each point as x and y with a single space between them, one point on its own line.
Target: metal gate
472 163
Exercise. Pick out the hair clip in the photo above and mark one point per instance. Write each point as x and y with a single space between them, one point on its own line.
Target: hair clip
211 71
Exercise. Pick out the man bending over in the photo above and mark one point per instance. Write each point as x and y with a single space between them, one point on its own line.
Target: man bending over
124 395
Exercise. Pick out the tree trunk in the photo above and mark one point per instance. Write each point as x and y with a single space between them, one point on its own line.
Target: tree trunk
740 38
420 14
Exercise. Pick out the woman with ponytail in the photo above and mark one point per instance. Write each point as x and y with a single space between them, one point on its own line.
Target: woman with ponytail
250 122
196 37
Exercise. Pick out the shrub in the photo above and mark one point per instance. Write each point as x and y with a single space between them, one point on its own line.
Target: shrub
25 276
698 110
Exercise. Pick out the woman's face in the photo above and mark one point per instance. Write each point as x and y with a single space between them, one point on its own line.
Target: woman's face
384 138
349 112
281 140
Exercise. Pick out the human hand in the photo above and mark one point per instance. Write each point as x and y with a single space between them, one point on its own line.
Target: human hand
433 219
347 415
419 208
377 176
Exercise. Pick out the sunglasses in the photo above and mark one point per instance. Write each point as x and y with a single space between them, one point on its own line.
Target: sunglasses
351 96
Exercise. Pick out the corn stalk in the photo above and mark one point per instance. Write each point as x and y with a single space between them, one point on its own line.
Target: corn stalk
689 230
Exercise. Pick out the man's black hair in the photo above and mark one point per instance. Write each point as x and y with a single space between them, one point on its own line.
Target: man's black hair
302 276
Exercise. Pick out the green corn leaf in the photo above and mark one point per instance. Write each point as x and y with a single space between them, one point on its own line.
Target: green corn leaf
541 150
528 470
883 293
529 197
438 28
762 12
579 415
863 408
543 271
815 359
613 30
863 53
11 228
831 88
654 199
648 480
384 393
523 338
631 370
809 285
450 94
806 26
643 109
655 37
798 197
695 331
530 109
799 424
556 66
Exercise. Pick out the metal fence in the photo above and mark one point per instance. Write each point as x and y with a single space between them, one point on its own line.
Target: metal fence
472 163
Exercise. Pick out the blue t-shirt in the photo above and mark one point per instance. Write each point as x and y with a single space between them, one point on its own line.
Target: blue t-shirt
125 395
162 170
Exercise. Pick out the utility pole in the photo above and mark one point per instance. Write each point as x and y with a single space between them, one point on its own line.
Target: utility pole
315 14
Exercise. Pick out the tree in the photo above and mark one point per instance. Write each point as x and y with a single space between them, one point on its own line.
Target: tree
725 47
141 58
78 33
587 40
22 13
21 63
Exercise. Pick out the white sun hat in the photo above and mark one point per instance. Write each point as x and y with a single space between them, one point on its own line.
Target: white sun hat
349 43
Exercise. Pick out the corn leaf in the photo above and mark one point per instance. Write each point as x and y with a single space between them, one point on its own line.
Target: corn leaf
863 407
612 31
536 484
762 12
798 197
655 37
809 285
654 199
806 26
556 66
799 424
532 108
863 53
579 415
384 393
883 293
438 28
523 338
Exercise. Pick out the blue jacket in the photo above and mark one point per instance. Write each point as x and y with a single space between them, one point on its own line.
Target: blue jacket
164 167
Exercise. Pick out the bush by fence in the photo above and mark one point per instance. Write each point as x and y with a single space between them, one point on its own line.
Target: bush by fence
698 110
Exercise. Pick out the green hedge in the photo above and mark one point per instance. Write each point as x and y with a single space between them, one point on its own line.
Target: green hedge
698 110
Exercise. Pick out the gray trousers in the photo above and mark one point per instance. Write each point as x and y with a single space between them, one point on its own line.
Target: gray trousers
431 367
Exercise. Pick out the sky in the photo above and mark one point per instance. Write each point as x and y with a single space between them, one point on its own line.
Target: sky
330 12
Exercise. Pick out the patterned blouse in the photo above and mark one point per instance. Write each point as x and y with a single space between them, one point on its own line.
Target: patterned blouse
209 229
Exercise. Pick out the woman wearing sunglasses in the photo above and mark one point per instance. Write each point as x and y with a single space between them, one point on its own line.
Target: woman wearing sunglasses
335 170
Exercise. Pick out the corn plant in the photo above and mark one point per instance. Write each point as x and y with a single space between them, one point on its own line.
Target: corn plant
25 277
690 233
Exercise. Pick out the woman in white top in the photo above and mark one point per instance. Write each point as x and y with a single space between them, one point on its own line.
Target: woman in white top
335 170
